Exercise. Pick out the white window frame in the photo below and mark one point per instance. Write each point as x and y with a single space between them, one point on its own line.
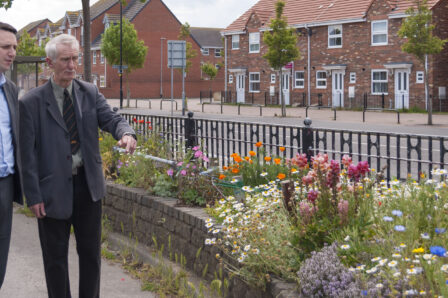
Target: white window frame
379 32
297 80
230 79
379 81
102 81
79 58
420 77
273 78
352 77
205 51
235 42
94 57
217 52
334 36
102 58
254 40
321 79
252 81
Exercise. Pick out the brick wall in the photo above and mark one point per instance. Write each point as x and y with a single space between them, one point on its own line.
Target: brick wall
133 212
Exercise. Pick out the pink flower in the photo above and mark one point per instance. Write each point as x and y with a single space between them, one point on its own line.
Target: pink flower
198 154
170 172
180 163
300 161
353 172
333 174
308 179
183 172
205 158
307 211
343 209
363 168
346 160
312 195
195 148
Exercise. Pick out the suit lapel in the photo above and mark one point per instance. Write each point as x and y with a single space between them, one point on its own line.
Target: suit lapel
52 106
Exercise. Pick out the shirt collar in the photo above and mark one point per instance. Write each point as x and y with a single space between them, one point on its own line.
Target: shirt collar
60 89
2 79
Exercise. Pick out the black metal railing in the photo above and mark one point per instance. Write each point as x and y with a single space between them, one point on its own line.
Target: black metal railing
399 154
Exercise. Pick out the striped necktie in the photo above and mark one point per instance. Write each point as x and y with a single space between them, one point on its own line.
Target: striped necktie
70 122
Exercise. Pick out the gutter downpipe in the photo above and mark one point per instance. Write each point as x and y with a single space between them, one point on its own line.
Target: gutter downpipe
309 64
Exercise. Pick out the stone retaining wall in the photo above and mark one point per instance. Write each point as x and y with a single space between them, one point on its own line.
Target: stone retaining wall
134 213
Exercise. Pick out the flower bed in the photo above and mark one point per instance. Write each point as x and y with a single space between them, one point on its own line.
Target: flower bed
338 224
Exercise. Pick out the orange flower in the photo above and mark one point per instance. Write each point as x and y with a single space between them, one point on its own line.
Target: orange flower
293 170
222 176
258 144
282 149
224 168
252 153
246 158
235 170
238 158
267 158
277 161
281 176
251 161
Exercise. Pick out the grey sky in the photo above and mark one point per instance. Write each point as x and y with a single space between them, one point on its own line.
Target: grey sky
198 13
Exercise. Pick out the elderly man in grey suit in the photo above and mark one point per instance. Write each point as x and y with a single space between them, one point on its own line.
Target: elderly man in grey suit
10 189
63 180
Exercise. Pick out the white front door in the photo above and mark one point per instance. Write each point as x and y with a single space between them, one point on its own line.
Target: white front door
240 90
337 88
401 89
285 87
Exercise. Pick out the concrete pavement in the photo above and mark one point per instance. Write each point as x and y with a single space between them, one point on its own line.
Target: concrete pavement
25 273
410 123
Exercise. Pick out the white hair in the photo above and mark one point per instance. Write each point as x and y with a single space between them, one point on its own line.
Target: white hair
65 39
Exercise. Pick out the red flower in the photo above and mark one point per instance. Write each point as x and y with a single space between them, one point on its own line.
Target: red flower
141 121
135 120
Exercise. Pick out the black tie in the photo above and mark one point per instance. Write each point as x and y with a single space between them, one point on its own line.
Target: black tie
70 122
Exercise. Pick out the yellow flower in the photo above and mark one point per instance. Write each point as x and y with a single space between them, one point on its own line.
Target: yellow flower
419 250
100 139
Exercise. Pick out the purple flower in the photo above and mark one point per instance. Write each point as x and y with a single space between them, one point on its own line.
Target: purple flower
170 172
195 148
397 213
364 292
438 251
183 172
400 228
440 230
180 163
388 218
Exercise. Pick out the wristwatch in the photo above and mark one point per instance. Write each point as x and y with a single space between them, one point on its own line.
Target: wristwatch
130 134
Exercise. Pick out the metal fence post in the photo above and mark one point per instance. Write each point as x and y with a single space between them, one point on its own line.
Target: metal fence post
190 131
307 139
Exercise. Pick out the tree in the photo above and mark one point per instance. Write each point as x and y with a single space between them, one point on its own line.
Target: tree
281 42
27 46
190 52
210 70
5 3
134 50
417 30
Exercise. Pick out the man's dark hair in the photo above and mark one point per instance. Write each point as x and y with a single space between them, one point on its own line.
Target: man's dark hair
8 27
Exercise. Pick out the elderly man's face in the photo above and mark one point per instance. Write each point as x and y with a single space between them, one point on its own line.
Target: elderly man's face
65 64
8 45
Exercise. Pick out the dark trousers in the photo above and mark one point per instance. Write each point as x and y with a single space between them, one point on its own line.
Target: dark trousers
54 239
6 199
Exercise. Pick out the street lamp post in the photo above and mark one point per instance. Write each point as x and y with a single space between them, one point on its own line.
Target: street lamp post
161 66
120 70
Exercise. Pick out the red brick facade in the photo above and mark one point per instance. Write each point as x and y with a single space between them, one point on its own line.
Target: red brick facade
356 57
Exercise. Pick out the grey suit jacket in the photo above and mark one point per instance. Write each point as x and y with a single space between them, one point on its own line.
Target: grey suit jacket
46 151
11 93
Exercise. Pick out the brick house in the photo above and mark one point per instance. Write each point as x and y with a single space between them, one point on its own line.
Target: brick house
155 24
350 51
